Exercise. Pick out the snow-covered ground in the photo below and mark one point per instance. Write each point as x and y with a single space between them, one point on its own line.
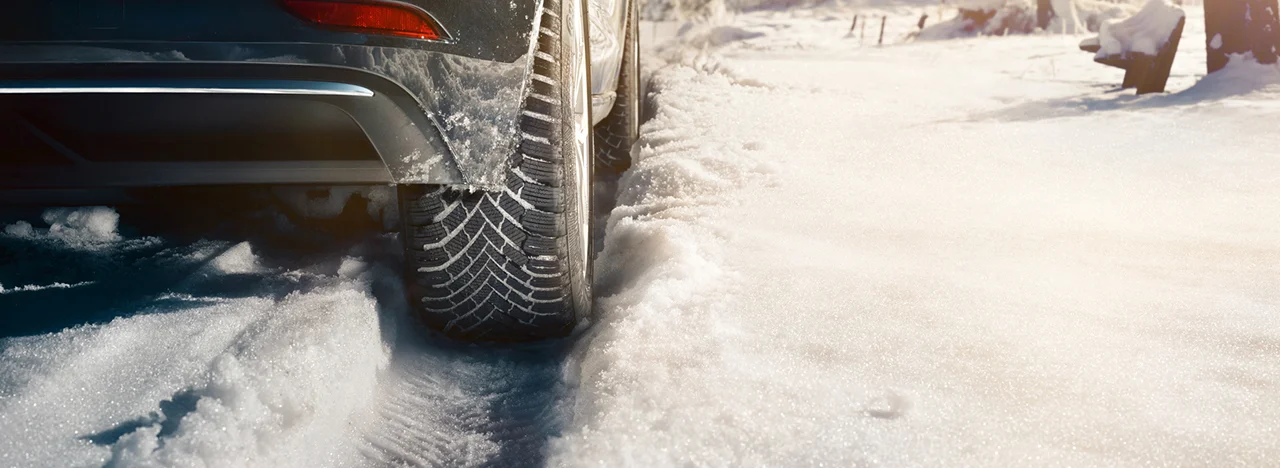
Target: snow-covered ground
945 253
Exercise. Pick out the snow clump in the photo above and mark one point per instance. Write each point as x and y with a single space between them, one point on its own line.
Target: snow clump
79 227
1144 33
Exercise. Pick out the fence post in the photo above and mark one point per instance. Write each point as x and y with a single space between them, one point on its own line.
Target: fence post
882 20
1044 13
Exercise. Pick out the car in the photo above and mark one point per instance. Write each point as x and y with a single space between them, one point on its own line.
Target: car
492 120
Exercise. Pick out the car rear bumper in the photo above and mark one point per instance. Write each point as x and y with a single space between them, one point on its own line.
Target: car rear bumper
156 124
430 116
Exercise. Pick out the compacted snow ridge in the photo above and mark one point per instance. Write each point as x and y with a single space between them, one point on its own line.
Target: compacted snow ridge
970 252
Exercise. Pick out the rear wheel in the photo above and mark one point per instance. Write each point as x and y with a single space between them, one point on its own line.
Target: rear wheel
515 265
617 132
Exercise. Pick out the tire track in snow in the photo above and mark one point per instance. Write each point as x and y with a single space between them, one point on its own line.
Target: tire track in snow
463 405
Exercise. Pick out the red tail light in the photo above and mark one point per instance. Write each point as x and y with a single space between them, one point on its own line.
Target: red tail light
369 16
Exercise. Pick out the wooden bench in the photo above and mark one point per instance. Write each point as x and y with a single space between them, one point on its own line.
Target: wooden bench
1146 72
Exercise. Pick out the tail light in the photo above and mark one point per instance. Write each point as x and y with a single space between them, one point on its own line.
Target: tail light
369 16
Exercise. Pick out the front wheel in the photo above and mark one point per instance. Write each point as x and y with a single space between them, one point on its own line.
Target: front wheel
515 265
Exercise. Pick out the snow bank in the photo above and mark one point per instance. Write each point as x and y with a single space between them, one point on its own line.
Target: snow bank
644 374
1145 32
1004 17
1241 77
701 35
985 18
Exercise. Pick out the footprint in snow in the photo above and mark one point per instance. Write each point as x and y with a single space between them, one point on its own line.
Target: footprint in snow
891 405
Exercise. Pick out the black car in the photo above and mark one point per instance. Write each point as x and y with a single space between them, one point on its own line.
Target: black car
484 115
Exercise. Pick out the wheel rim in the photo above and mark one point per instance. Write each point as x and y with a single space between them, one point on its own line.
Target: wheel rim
634 31
575 30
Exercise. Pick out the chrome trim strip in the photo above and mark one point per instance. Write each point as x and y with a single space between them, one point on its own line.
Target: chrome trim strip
281 87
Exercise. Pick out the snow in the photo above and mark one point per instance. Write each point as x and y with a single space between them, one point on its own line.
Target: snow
961 253
1003 17
238 259
264 352
34 287
83 227
328 203
194 380
1145 32
948 254
1078 16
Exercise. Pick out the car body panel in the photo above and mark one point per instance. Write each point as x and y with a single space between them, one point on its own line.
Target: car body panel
608 31
468 87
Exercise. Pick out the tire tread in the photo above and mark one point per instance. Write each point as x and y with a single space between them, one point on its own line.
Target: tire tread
489 266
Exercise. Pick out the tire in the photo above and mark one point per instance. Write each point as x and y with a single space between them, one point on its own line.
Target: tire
617 133
515 265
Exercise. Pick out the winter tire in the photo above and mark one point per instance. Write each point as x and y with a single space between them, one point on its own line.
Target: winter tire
617 132
514 265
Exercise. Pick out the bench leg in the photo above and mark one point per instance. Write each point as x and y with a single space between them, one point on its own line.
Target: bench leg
1162 64
1137 73
1130 78
1152 81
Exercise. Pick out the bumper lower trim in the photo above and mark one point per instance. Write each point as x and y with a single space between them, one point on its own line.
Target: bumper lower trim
155 174
279 87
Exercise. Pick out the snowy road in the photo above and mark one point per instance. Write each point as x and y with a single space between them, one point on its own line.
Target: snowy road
292 349
961 253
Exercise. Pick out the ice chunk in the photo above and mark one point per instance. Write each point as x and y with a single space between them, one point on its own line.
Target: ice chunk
238 259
